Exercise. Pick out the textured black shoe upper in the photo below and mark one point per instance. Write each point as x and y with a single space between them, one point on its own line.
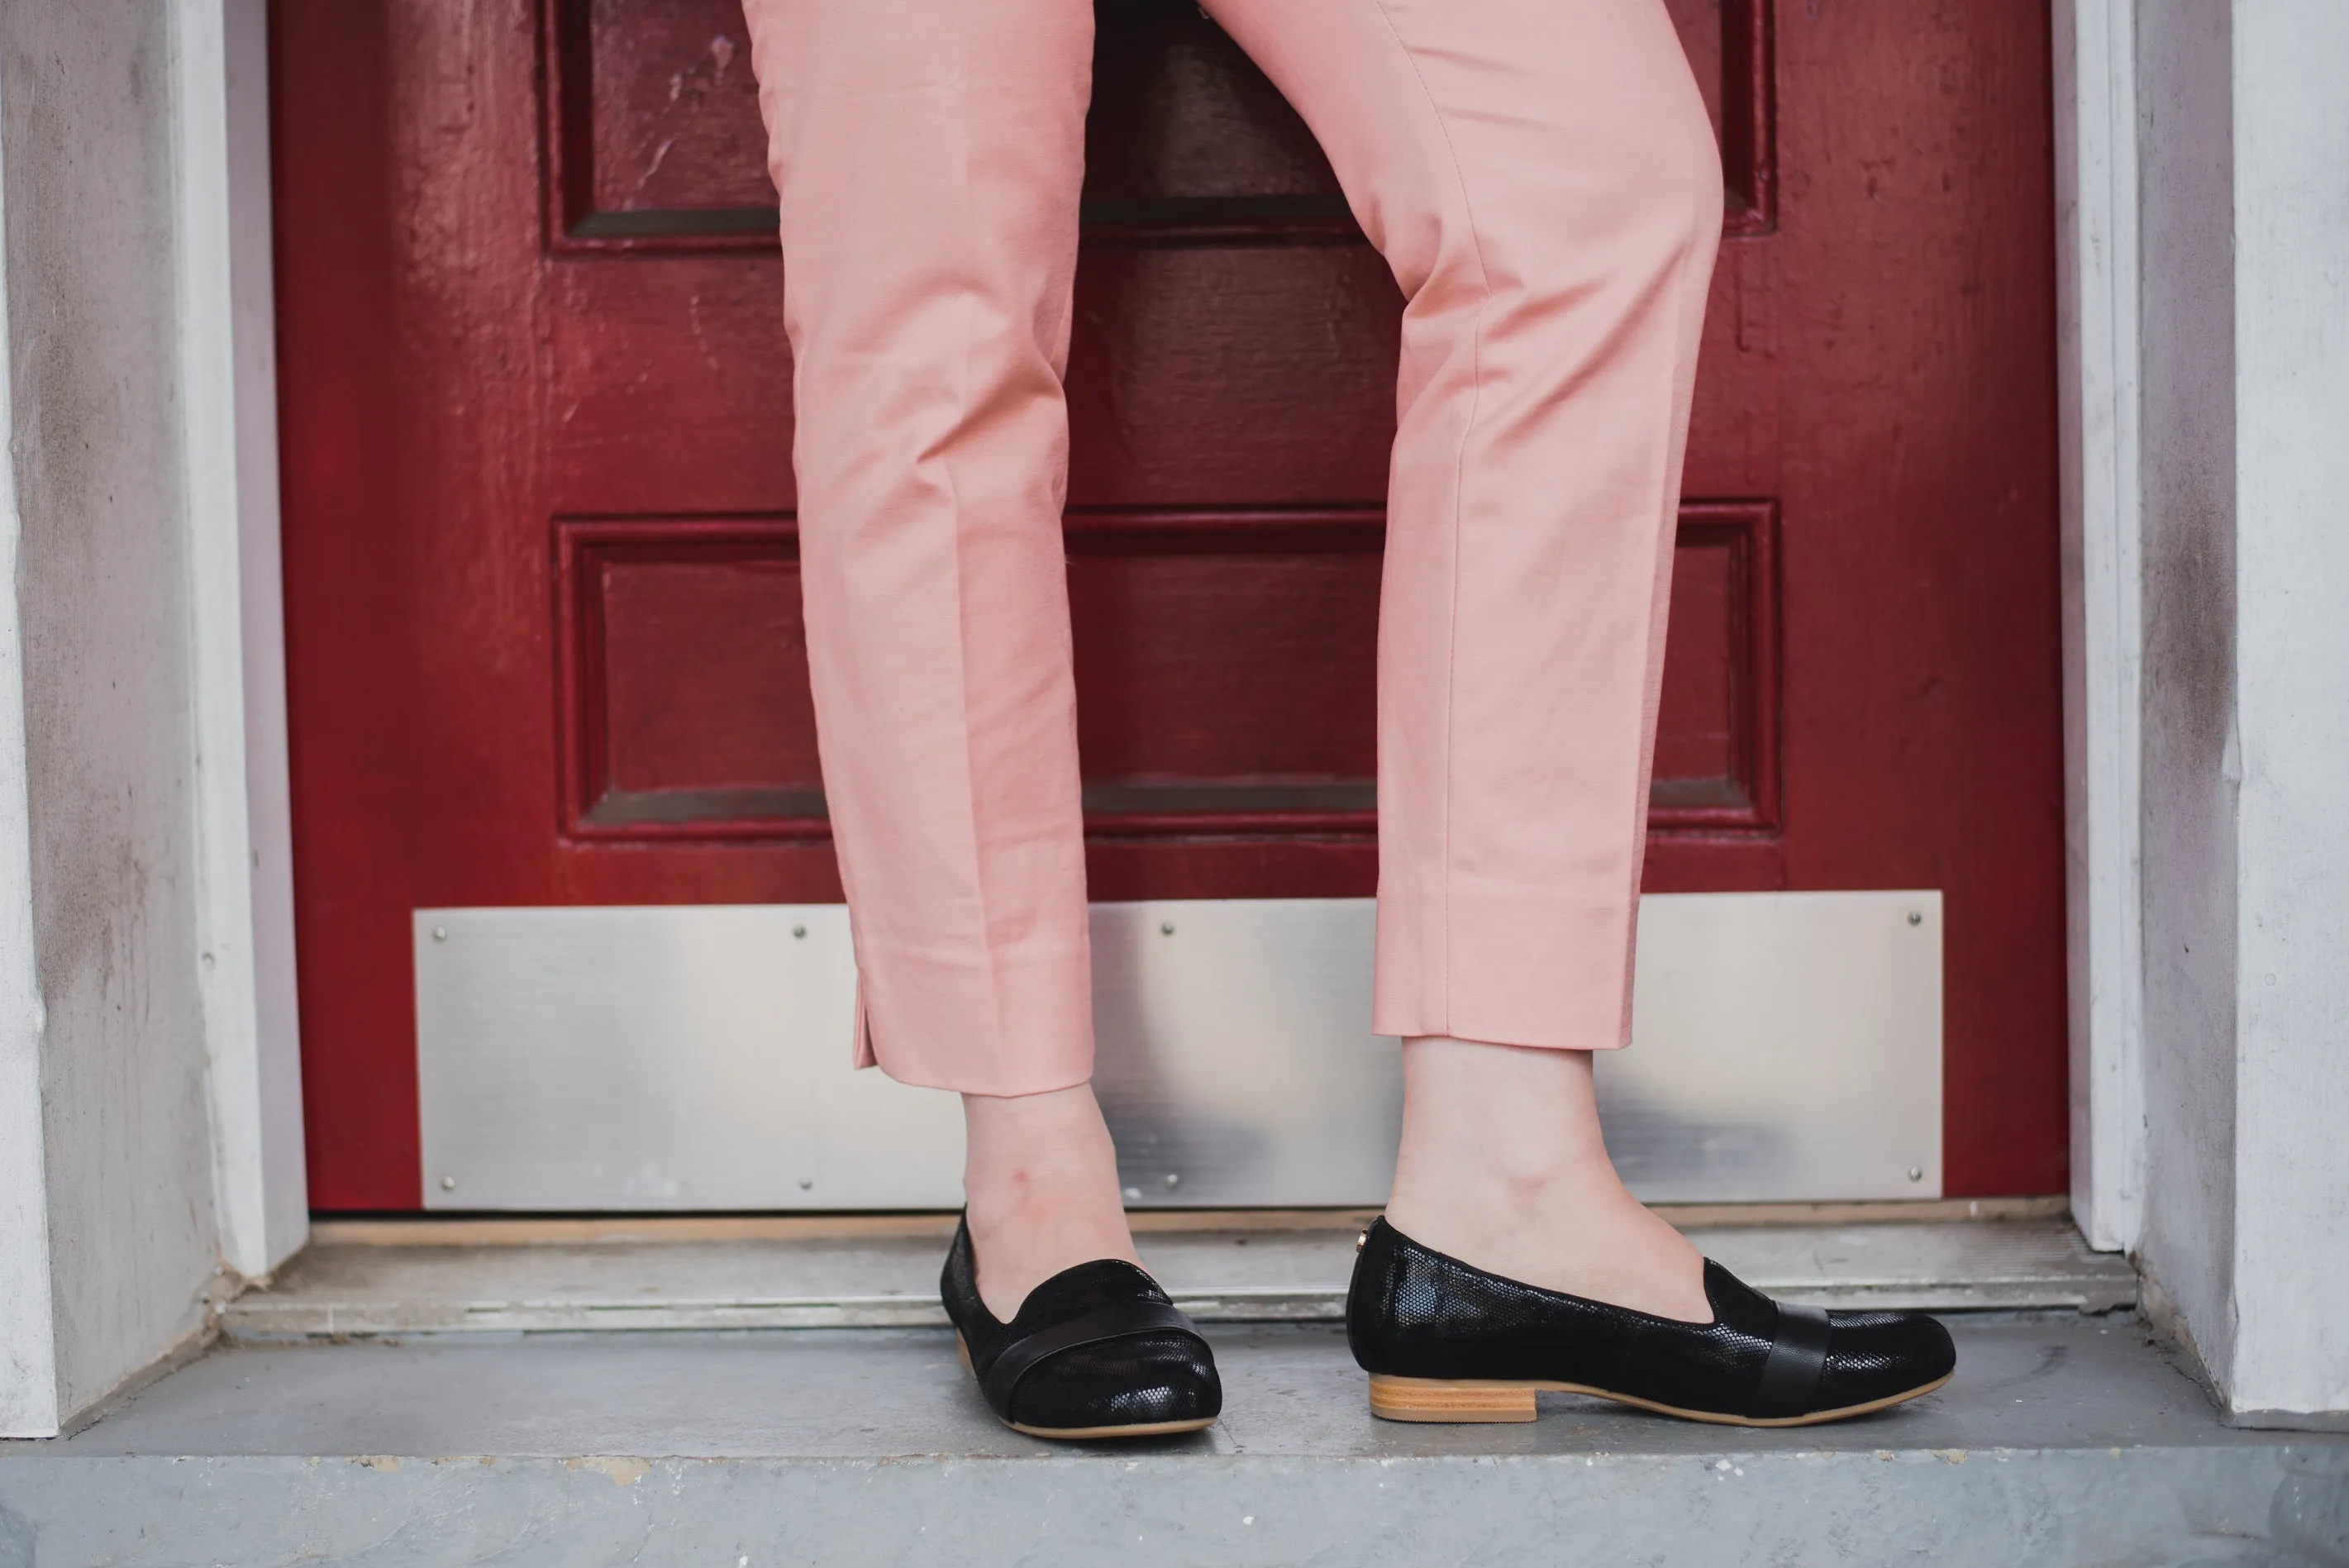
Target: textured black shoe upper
1415 1313
1165 1373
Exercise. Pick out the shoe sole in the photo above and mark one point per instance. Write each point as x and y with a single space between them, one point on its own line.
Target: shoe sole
1508 1399
1087 1434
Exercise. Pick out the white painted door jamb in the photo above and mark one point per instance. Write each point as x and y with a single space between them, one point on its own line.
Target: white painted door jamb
229 426
2096 315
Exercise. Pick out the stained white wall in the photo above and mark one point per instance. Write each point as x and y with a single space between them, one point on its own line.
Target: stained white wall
2244 410
2186 169
109 876
28 1363
2292 754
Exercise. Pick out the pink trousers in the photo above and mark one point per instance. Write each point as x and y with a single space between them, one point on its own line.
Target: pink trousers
1542 178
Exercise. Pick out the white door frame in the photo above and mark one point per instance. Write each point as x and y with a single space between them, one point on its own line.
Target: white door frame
228 383
2097 353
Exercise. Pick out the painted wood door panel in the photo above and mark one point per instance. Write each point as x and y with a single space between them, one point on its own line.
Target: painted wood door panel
542 581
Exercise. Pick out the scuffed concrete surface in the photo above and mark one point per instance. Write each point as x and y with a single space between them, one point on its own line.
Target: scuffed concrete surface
2151 1507
2063 1441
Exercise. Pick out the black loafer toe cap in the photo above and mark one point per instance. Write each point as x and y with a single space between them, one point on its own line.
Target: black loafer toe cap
1875 1355
1140 1380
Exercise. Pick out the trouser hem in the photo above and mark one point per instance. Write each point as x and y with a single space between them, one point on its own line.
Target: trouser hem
1506 970
1009 1027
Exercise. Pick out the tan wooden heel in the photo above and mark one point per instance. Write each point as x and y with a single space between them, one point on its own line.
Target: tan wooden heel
1428 1400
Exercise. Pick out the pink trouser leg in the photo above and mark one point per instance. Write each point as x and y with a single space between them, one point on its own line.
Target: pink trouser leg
928 155
1541 176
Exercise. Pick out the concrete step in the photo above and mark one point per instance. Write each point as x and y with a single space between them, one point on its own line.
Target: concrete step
408 1277
2064 1439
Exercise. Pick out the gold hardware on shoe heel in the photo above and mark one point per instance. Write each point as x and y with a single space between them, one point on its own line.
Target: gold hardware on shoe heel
1428 1399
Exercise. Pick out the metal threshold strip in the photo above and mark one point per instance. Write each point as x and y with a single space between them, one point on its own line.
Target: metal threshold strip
392 1278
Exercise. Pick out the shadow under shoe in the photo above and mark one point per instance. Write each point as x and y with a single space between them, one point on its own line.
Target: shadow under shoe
1096 1351
1445 1341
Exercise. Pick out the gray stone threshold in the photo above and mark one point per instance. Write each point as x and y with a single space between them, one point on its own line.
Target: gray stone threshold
883 1274
2063 1439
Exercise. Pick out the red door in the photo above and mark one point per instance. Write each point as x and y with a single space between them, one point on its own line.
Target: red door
542 594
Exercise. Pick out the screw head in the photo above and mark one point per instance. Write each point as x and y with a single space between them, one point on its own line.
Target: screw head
439 933
1165 927
1916 917
799 930
807 1183
448 1184
1133 1194
1172 1182
1916 1173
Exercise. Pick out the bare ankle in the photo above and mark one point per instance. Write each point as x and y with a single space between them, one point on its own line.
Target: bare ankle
1502 1165
1040 1187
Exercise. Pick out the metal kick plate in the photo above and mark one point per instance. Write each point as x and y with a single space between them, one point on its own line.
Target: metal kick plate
696 1057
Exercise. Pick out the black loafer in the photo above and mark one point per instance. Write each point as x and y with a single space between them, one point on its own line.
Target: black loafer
1096 1351
1443 1341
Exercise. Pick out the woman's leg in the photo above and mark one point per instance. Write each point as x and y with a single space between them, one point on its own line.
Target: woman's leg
928 155
1543 179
